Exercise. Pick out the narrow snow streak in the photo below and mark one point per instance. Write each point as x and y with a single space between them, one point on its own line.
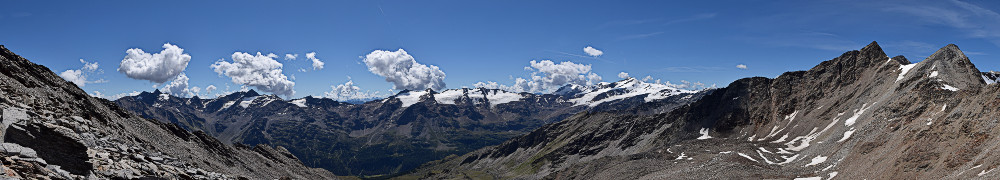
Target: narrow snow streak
950 88
810 178
748 157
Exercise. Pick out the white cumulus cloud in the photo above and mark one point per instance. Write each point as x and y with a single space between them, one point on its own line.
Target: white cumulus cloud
179 87
79 76
348 91
291 56
623 75
741 66
259 71
209 89
593 51
316 63
403 71
158 68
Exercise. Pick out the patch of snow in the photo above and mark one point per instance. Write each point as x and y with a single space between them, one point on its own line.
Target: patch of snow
748 157
783 151
765 150
725 152
299 102
782 139
704 134
228 104
933 74
816 160
990 81
494 96
501 97
904 69
857 114
789 118
247 100
448 96
832 174
944 107
411 97
163 97
950 88
930 121
847 134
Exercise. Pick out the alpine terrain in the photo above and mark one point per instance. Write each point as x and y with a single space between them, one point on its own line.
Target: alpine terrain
862 115
396 134
54 130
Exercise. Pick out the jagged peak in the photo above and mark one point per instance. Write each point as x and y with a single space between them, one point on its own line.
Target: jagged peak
901 60
949 66
251 92
873 47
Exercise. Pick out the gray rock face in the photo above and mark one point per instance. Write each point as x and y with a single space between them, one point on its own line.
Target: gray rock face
54 130
858 116
950 67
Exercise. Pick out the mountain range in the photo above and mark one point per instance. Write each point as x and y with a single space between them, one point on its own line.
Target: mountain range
398 133
862 115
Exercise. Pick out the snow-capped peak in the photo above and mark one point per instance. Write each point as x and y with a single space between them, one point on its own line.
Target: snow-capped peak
411 97
628 87
493 96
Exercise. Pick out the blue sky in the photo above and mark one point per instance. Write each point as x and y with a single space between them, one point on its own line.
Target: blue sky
477 41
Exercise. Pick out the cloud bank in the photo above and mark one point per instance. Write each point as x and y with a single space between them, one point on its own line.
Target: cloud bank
403 71
548 76
158 68
258 71
347 91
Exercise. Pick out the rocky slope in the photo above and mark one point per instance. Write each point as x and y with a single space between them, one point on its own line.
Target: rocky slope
862 115
51 129
398 133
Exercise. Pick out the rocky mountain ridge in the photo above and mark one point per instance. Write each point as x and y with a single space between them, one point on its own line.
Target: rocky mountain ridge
860 115
52 129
